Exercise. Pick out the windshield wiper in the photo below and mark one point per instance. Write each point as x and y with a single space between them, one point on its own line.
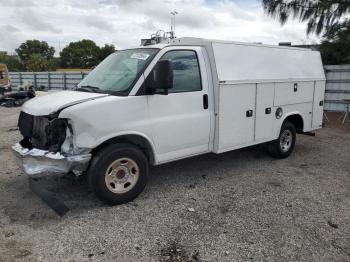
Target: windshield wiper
118 93
90 87
87 88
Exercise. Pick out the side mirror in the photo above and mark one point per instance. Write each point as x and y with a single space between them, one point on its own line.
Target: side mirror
161 77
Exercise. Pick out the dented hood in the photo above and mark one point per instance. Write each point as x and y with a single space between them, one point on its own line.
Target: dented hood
53 102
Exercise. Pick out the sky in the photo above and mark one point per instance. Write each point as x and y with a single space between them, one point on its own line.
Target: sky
124 22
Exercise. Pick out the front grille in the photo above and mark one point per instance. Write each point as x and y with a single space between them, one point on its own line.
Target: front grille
25 124
42 132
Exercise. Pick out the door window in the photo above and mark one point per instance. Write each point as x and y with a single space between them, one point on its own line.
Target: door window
186 71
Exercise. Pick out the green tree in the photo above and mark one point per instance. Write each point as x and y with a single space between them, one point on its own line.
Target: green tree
37 63
13 63
80 54
322 16
54 63
31 47
105 51
329 18
337 50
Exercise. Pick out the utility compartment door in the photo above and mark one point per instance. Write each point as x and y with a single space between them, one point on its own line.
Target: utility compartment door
236 115
293 93
264 111
317 112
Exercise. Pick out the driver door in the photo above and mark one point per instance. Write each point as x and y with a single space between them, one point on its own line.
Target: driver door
180 121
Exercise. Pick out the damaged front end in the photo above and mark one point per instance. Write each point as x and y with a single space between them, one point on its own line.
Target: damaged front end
48 148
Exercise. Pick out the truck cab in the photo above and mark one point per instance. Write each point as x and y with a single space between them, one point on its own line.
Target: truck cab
156 104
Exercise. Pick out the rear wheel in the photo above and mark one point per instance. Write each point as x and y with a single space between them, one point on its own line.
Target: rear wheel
284 145
118 173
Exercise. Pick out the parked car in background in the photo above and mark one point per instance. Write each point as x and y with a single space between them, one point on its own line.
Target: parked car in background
177 99
5 83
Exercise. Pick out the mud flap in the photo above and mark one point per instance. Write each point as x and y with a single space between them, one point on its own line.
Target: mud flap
49 198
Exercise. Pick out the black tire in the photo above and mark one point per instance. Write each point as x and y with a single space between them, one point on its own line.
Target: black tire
103 160
280 148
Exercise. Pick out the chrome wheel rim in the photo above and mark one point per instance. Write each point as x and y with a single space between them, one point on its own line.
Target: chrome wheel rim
122 175
286 140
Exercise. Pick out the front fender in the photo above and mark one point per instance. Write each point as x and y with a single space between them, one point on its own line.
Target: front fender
124 134
97 121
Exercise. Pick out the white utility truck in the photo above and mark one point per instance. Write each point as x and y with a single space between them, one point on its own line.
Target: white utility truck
177 99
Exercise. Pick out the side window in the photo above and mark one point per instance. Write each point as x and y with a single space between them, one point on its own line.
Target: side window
186 71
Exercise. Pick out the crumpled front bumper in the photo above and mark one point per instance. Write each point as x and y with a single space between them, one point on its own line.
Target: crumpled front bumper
38 163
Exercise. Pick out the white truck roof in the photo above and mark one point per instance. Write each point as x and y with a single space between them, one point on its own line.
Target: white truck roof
244 62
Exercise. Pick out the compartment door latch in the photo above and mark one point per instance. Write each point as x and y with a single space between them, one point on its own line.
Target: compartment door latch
249 113
295 87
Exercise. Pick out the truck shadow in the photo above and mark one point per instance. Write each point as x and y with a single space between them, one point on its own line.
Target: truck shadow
78 197
208 165
181 172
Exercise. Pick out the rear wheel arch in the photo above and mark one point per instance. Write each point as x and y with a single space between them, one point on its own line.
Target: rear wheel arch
297 120
139 141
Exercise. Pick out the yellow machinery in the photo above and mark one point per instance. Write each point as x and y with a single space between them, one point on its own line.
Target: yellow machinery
5 83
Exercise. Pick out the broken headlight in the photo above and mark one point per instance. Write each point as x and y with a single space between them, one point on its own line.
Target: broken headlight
42 132
67 146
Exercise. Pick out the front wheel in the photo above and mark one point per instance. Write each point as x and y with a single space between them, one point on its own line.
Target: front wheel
284 145
118 173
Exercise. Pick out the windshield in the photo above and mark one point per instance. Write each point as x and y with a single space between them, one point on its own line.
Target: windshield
117 73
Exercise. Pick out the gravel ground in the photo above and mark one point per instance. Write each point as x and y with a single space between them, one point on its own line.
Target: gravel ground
238 206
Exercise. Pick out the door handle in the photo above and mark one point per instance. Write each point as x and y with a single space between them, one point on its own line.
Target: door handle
321 103
249 113
268 110
205 101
